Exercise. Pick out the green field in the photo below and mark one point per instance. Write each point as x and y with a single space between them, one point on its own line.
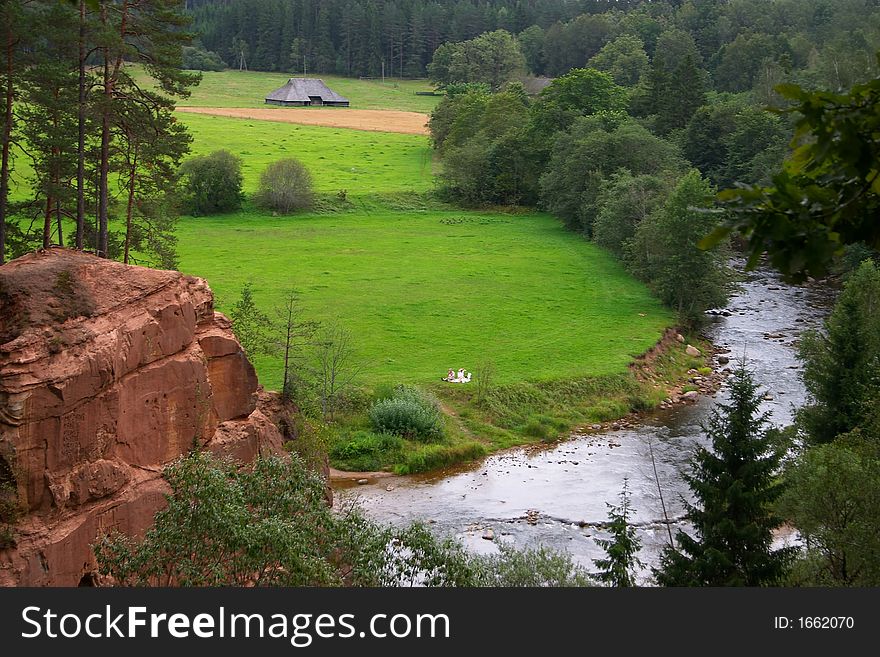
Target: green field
357 161
249 89
423 292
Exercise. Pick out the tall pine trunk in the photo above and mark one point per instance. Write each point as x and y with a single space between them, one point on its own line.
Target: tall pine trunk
104 164
9 97
132 174
47 223
81 122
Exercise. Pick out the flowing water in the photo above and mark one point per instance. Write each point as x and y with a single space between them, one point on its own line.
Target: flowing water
557 496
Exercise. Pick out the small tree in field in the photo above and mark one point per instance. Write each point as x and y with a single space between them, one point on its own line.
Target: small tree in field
251 325
285 186
295 334
336 366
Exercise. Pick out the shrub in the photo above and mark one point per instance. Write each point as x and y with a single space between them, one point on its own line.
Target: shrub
212 183
285 186
431 457
536 429
269 525
366 443
410 413
197 59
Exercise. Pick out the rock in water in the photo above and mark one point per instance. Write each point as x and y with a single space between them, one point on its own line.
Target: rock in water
107 373
489 535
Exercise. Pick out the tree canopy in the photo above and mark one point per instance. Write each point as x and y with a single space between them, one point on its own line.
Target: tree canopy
826 195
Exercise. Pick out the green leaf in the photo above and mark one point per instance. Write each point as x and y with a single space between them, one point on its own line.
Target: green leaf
714 238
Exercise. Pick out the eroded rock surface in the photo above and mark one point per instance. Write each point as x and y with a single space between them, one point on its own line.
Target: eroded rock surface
107 373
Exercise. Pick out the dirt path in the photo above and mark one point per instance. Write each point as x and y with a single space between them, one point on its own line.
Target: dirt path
411 123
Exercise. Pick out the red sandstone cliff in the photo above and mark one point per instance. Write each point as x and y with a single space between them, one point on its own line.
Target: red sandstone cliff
107 373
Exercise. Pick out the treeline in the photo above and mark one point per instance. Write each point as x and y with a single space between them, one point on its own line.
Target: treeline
92 145
355 37
741 45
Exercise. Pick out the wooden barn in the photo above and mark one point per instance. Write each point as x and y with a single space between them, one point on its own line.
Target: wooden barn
306 92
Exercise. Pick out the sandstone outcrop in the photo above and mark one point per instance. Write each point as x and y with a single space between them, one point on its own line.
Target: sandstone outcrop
107 373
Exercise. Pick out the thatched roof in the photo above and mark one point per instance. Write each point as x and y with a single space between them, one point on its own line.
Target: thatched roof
299 90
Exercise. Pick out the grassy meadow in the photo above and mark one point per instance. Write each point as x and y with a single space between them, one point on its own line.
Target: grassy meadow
357 161
426 291
250 88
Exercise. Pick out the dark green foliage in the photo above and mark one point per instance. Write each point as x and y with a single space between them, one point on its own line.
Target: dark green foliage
622 549
252 326
624 202
434 457
624 59
364 450
664 252
409 412
734 485
676 83
212 183
197 59
596 148
739 61
832 496
482 138
491 58
840 364
580 92
10 505
285 186
269 524
827 193
729 141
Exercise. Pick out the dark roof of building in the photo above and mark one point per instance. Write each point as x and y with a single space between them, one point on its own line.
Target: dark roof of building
299 89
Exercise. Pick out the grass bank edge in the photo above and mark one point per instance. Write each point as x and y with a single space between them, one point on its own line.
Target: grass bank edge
526 413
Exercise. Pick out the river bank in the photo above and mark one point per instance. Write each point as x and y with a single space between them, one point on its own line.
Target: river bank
480 421
557 495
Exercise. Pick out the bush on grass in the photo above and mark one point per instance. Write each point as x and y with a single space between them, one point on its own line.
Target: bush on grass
409 412
285 186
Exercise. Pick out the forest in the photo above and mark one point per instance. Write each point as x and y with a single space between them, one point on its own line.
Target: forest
740 45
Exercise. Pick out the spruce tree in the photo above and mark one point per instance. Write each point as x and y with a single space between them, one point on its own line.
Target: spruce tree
840 364
618 567
734 486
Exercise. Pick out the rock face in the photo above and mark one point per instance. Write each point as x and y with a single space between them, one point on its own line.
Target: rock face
107 373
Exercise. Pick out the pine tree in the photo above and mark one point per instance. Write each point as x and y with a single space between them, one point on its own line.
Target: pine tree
840 364
618 568
734 486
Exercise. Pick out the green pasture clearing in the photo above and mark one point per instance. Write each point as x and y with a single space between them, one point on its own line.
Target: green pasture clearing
250 88
425 291
357 161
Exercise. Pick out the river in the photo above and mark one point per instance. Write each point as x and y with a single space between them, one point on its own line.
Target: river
557 496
